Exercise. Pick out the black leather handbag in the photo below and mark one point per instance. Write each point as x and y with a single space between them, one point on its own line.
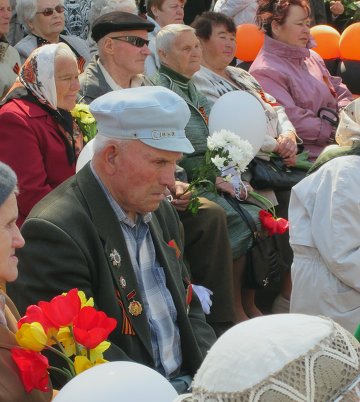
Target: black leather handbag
263 258
273 174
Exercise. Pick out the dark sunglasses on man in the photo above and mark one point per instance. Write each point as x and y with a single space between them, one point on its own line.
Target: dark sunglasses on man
133 40
46 12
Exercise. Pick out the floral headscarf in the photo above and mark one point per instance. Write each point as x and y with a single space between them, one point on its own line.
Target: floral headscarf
38 75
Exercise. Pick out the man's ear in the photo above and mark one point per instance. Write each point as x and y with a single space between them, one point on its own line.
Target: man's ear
110 156
107 45
162 54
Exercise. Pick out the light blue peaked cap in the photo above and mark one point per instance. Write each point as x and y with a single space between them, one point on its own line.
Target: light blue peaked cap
154 115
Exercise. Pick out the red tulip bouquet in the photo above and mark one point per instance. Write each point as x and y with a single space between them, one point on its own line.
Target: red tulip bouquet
70 327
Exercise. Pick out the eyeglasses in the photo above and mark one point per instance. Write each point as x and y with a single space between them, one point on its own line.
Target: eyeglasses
50 11
133 40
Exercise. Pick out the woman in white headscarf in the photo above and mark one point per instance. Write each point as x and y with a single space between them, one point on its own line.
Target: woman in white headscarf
324 218
38 136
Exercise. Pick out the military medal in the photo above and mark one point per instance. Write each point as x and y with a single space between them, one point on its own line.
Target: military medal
122 282
135 307
115 258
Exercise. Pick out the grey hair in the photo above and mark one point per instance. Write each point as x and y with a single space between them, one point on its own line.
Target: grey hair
101 141
166 36
101 7
63 50
26 11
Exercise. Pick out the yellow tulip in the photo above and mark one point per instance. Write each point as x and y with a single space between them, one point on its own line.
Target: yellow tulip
97 353
82 363
84 301
66 339
32 336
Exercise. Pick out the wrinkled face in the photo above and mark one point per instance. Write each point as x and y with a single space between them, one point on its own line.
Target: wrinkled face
67 82
219 50
172 12
129 59
184 55
140 175
296 29
10 239
5 15
48 27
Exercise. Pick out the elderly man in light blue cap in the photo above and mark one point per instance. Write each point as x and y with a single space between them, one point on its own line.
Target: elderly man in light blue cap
110 232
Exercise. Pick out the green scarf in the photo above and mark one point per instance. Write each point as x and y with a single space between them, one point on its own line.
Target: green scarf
332 153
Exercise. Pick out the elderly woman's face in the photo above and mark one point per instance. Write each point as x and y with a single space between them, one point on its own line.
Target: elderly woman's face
219 50
5 15
48 26
184 55
10 239
172 12
67 82
296 29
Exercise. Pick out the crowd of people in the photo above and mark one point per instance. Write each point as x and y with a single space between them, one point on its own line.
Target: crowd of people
120 228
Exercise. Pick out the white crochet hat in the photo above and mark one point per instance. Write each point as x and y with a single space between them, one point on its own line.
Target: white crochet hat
280 358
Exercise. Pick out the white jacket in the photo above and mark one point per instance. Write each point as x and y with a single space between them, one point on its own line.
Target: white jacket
324 216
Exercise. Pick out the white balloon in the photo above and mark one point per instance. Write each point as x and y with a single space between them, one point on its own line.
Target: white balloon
241 113
85 155
118 382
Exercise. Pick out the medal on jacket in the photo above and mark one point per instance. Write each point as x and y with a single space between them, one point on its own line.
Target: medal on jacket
135 307
115 258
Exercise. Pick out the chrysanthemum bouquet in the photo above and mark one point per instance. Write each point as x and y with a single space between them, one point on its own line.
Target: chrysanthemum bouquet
70 327
228 156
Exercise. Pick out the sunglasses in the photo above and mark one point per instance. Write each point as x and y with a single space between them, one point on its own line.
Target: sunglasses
50 11
133 40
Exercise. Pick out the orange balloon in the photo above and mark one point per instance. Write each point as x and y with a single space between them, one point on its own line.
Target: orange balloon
350 42
327 41
249 40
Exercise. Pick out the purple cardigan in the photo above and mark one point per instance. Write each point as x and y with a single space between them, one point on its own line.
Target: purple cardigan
298 80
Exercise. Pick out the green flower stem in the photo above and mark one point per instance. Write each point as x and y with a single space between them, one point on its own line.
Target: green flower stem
265 201
63 355
77 349
64 373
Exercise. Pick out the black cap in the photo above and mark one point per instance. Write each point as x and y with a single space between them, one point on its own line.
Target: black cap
118 21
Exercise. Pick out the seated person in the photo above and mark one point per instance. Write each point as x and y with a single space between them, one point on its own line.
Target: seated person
121 39
11 386
161 13
44 21
180 53
324 234
38 136
280 358
295 75
119 65
110 232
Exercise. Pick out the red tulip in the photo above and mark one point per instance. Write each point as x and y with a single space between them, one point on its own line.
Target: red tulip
273 225
35 314
62 310
33 368
91 327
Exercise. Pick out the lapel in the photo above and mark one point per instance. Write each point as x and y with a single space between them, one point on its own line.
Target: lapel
109 230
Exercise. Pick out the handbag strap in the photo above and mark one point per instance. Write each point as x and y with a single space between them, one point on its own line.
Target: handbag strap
247 218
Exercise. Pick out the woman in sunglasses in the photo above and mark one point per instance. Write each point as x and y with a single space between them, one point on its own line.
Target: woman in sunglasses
44 21
38 137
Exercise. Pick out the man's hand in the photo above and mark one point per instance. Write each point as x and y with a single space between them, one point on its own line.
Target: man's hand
336 8
226 187
180 200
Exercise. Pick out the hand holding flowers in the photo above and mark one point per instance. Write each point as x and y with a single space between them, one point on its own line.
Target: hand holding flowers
70 323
